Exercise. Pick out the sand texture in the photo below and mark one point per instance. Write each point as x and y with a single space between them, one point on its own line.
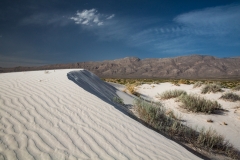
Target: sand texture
68 114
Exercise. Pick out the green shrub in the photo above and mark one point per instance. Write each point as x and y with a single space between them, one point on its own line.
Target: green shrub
230 97
171 94
196 103
198 84
118 100
211 88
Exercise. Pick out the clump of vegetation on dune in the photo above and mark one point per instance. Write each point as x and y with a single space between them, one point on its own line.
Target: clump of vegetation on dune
198 84
155 115
171 94
196 103
118 100
230 97
132 89
211 88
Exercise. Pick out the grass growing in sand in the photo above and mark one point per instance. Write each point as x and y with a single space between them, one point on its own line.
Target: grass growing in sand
224 83
198 84
171 94
118 100
236 88
157 117
230 97
211 88
132 89
196 103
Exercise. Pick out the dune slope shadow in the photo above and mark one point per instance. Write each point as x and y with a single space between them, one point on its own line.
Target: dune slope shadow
94 85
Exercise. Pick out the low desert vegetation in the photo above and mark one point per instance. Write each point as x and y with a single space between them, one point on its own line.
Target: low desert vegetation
232 97
236 88
223 83
195 103
118 100
155 115
132 89
211 88
198 84
171 94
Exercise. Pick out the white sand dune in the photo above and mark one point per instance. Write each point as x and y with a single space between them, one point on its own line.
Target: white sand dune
231 131
68 114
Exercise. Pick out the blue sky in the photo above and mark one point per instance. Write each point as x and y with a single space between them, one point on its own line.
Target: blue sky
65 31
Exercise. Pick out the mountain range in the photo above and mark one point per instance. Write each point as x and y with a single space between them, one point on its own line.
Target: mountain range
189 67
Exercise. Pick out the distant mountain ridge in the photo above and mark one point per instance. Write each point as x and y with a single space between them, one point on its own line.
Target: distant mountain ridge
193 66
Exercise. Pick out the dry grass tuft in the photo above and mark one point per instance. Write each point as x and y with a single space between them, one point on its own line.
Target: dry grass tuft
196 103
132 89
211 88
230 97
198 84
171 94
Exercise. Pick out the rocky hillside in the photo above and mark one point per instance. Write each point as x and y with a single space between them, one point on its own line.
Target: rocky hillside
194 66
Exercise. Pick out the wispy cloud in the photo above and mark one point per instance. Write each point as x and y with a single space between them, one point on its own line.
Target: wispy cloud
193 32
90 17
219 20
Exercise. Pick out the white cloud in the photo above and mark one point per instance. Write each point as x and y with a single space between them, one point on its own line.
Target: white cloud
219 20
90 17
110 17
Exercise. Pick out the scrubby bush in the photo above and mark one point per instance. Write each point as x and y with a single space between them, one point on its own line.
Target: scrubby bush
211 88
171 94
210 139
131 88
198 84
230 97
196 103
118 100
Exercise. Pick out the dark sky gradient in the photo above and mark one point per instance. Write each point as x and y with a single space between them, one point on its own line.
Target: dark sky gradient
61 31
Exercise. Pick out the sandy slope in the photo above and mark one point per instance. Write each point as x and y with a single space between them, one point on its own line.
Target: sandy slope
62 115
231 131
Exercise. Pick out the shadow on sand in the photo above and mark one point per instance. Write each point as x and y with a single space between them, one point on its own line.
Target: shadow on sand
94 85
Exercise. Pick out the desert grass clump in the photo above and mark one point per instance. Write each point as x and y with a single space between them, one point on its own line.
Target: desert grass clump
230 97
196 103
156 116
132 89
171 94
198 84
236 88
118 100
211 88
183 81
210 139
